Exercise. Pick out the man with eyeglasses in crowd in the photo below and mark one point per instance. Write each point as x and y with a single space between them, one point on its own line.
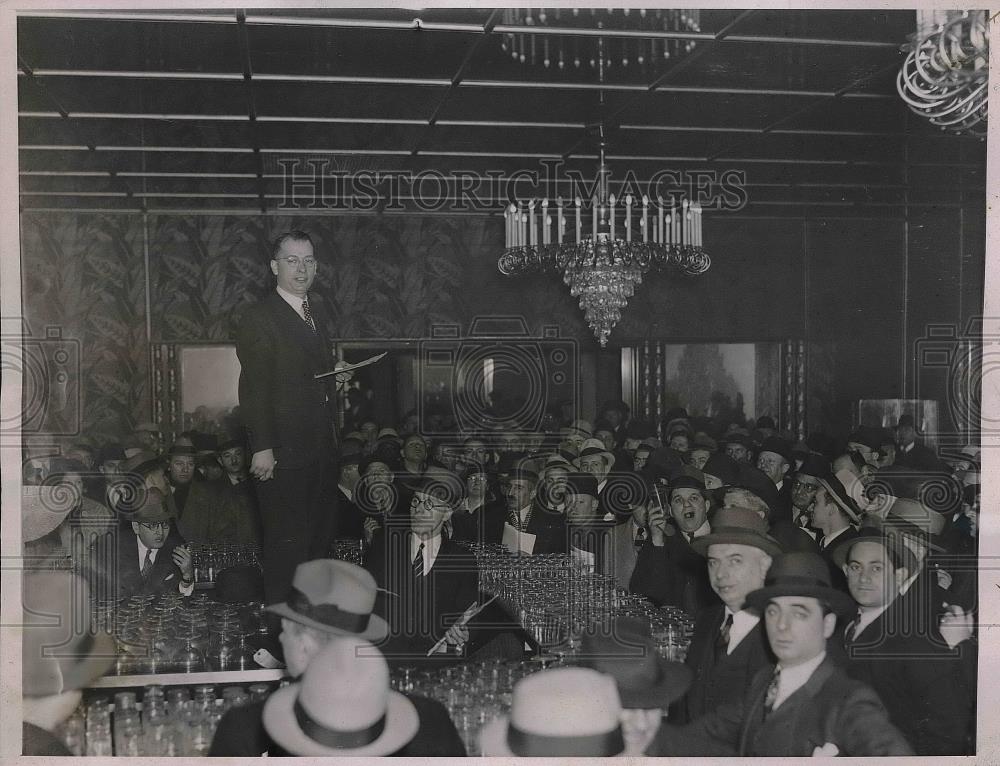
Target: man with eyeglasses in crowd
282 344
149 555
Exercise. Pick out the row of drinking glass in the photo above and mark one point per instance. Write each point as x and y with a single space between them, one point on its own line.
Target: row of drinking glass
171 634
169 723
211 558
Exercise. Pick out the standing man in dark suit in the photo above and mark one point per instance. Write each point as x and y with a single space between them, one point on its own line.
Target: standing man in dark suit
729 645
281 344
806 704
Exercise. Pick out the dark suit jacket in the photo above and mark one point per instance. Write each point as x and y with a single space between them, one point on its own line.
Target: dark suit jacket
241 732
727 680
549 528
484 525
792 538
921 458
921 683
625 554
673 575
829 708
419 610
350 518
837 577
218 512
122 579
282 406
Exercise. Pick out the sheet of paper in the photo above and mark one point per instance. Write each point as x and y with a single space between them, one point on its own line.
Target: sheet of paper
351 367
516 541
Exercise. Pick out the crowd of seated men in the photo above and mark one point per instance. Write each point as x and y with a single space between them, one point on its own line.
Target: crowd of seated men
688 512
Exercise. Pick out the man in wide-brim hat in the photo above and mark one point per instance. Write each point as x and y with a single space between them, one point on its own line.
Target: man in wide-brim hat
331 600
805 704
729 646
647 682
60 656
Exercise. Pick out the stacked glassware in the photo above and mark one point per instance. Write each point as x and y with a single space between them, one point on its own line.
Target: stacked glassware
211 558
174 634
174 722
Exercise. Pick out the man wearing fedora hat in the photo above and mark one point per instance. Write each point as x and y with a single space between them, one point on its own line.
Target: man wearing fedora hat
567 712
647 683
774 459
893 645
332 600
426 579
753 489
805 484
531 526
60 656
805 704
729 646
668 570
147 555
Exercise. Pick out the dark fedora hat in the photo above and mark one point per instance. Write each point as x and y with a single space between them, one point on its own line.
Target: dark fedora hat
757 483
582 484
723 468
644 679
814 467
738 526
778 446
801 574
154 508
181 449
875 531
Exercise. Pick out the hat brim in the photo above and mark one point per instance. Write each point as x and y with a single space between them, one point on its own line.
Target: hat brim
401 725
853 514
493 739
99 660
376 631
766 543
676 679
609 458
841 603
840 550
41 514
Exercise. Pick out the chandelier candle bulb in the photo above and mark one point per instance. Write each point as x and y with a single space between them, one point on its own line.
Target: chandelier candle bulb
628 218
594 208
546 221
524 229
611 216
534 223
560 220
579 221
645 216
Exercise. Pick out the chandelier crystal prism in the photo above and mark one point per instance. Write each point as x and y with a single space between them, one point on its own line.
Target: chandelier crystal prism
604 260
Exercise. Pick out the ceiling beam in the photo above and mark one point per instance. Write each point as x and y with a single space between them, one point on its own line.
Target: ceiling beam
444 83
416 24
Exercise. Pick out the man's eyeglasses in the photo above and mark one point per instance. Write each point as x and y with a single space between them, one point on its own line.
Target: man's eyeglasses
156 526
294 261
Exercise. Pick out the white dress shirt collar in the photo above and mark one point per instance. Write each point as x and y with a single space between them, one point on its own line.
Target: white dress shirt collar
794 678
292 300
347 493
142 552
703 530
743 623
828 539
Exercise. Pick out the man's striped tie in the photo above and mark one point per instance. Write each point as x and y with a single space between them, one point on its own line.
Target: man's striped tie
307 313
418 562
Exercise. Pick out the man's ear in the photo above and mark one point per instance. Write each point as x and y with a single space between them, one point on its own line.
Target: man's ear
902 573
274 267
829 623
135 527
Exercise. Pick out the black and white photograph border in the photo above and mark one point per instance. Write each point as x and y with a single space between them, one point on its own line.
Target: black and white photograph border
885 267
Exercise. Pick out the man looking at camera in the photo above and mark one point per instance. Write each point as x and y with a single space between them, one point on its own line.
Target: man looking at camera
282 344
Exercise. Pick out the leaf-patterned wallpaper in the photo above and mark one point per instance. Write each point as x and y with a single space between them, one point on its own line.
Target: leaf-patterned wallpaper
381 276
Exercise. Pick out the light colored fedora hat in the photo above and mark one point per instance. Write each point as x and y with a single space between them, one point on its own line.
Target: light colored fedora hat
563 712
335 597
342 706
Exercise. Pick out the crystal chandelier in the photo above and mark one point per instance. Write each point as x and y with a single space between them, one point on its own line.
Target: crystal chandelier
601 267
945 75
572 44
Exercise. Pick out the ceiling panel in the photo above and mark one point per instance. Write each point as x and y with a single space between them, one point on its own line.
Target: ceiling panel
165 106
